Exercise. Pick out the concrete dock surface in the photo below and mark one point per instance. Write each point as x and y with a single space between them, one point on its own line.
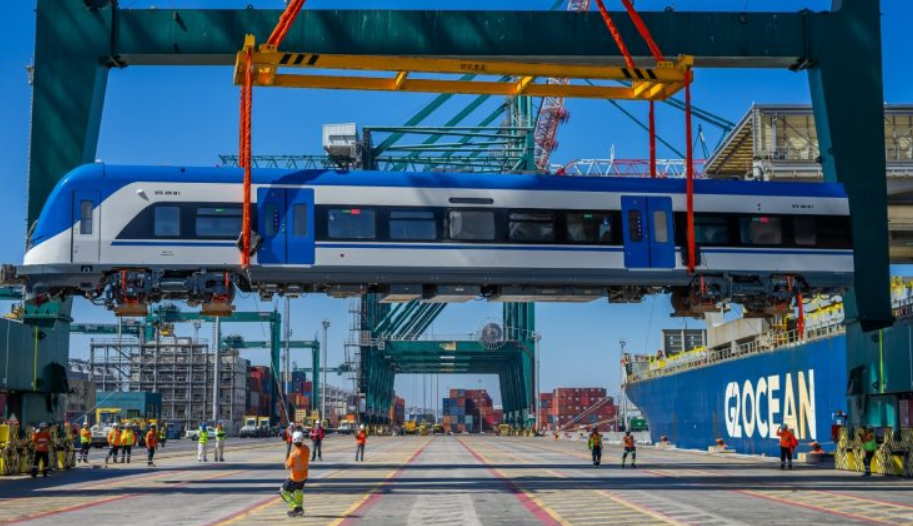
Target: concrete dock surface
458 480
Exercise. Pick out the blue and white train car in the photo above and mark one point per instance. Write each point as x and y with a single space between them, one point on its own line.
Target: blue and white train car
145 233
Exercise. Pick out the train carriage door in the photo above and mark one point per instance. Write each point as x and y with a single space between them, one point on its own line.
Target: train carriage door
271 225
636 231
86 243
285 222
300 234
647 225
662 238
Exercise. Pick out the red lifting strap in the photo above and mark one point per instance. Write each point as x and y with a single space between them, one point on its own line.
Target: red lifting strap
800 323
244 157
629 62
285 22
643 30
247 90
689 170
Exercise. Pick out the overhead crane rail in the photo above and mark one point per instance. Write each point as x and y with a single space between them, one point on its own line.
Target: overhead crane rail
654 83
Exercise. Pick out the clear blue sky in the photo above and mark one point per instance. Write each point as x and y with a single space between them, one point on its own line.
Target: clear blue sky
189 116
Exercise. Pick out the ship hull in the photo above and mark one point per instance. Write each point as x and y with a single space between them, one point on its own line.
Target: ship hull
743 401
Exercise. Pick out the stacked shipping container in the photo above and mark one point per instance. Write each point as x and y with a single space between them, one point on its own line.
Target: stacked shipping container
260 390
560 407
398 411
469 410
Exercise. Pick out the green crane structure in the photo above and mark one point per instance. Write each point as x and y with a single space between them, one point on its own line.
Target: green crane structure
391 344
78 43
237 342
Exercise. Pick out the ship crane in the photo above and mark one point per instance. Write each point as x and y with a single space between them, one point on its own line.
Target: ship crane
552 112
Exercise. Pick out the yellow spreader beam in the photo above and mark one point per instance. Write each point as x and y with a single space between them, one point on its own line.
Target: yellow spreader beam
657 83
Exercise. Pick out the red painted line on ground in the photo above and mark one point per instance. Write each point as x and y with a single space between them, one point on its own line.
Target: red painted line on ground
869 499
524 499
750 493
373 499
75 507
269 500
242 511
821 509
107 500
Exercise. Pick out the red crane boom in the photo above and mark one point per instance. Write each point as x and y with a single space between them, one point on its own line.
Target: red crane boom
552 112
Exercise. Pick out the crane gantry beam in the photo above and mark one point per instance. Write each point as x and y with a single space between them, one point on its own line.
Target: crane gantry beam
655 83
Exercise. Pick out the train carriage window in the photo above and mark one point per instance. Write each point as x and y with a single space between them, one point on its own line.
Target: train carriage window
590 227
300 220
224 222
472 225
635 226
761 230
805 231
351 223
271 219
419 225
531 226
710 230
834 232
86 206
660 227
167 221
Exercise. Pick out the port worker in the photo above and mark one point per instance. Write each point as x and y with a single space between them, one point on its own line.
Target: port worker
595 445
220 443
73 443
113 442
869 446
361 438
85 442
292 490
41 441
152 442
317 435
127 441
163 436
289 432
630 447
202 443
788 443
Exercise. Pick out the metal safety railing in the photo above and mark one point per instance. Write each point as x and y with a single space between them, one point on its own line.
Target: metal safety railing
830 323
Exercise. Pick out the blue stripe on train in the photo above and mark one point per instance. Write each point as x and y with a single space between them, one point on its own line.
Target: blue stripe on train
450 246
56 215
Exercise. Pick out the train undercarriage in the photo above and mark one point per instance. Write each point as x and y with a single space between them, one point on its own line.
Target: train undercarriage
129 292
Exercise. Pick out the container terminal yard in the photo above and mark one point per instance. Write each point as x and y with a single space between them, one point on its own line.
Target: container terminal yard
260 306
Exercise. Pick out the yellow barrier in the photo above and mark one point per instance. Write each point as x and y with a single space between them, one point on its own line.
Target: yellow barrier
893 456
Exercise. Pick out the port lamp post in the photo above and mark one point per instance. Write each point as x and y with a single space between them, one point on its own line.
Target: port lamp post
323 380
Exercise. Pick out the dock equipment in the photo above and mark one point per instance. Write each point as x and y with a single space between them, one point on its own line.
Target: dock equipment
390 342
79 41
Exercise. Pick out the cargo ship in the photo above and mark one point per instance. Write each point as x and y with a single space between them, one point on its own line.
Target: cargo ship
747 378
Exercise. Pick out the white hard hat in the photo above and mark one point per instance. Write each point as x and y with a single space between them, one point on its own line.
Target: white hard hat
116 424
298 437
361 426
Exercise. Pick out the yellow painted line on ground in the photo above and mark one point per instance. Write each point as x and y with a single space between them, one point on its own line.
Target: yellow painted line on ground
829 509
628 504
797 499
345 515
274 500
351 509
551 513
